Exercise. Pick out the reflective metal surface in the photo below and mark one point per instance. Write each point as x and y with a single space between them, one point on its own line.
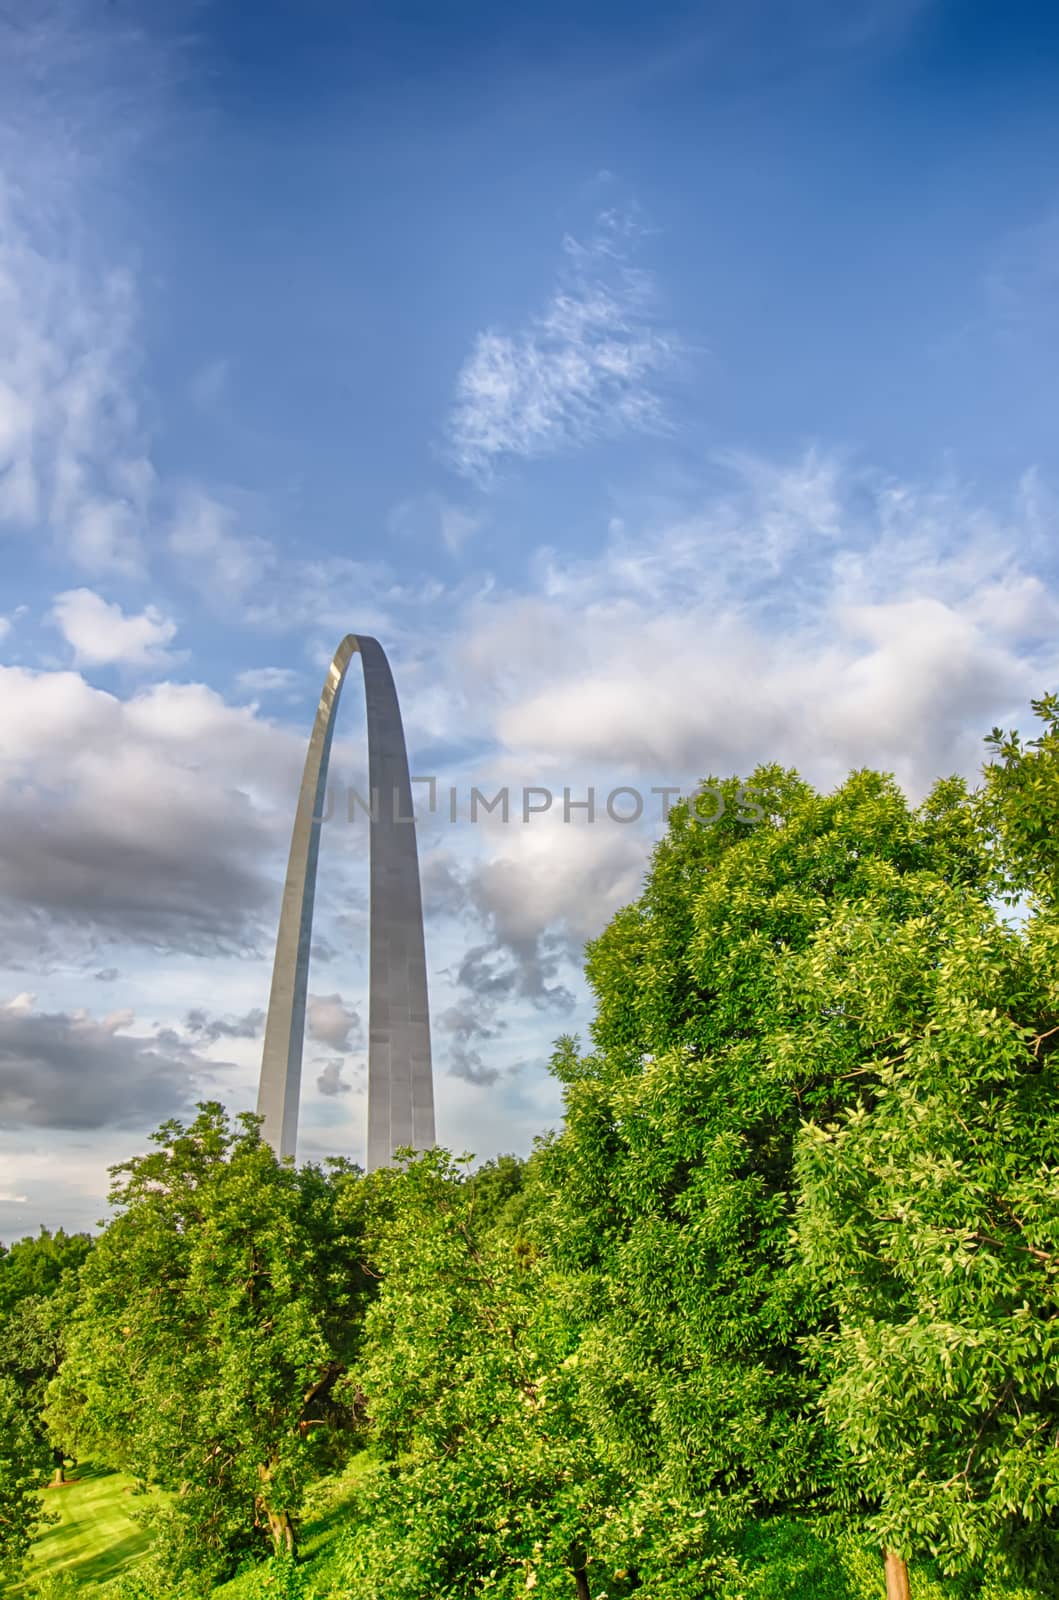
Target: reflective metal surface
400 1079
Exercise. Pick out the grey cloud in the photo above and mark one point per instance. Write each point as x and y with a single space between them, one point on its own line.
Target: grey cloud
532 959
330 1081
480 974
473 1020
467 1063
331 1021
470 1020
152 820
213 1028
196 887
63 1071
444 890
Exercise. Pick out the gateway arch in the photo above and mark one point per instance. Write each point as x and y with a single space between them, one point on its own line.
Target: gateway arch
400 1081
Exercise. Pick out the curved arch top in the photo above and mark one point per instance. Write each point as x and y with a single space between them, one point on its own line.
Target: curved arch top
400 1080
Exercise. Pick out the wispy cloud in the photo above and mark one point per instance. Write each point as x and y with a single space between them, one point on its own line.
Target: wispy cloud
1022 281
220 560
268 680
589 365
432 517
72 452
77 93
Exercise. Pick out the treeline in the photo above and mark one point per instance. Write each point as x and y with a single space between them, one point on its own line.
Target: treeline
784 1285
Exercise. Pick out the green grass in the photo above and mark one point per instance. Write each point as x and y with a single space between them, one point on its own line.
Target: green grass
95 1538
328 1508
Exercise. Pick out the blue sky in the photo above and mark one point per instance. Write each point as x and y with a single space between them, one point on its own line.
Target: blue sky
669 388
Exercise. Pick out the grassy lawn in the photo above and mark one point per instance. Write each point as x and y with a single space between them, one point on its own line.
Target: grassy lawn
96 1538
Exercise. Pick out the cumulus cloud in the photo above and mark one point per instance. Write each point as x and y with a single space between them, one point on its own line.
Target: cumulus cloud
149 820
534 894
809 614
589 365
100 634
330 1021
71 1070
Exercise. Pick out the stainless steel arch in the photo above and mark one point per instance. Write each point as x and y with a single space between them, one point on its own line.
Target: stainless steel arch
400 1080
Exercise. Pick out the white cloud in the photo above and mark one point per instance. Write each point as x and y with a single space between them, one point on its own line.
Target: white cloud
268 680
812 614
457 527
806 613
223 563
589 365
76 93
101 634
150 821
72 452
427 517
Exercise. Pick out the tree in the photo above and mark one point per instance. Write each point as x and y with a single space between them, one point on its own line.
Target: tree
929 1209
674 1180
36 1266
487 1483
32 1354
216 1314
23 1468
38 1286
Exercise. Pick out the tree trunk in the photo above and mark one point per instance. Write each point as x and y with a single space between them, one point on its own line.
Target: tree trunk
280 1525
60 1463
282 1530
581 1580
897 1586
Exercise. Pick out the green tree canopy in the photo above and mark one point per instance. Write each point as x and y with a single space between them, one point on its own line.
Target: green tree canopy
756 994
35 1266
216 1314
488 1483
929 1210
24 1461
